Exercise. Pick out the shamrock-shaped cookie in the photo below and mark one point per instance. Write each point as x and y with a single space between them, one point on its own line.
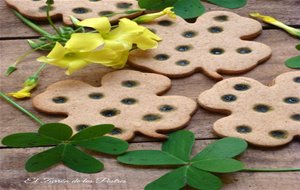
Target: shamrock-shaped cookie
81 9
216 43
127 99
262 115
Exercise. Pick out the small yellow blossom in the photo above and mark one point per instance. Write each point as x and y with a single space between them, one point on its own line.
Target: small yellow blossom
273 21
152 16
29 84
109 47
73 58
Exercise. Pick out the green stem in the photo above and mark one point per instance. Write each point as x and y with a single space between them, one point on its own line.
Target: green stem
28 113
50 20
270 169
28 53
36 74
31 24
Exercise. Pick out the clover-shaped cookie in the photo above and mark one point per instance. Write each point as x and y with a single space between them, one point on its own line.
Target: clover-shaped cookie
215 44
127 99
262 115
81 9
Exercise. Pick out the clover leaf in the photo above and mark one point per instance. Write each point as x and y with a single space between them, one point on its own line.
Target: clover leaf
194 172
189 8
294 62
65 150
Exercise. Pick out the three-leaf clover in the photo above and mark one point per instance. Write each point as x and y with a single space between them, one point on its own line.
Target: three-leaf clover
189 8
65 150
195 172
294 62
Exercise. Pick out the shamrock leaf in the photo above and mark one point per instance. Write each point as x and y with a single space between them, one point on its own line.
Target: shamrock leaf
230 4
216 157
65 150
188 8
294 62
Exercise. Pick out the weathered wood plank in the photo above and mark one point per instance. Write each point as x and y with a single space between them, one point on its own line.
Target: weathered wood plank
13 121
285 10
13 174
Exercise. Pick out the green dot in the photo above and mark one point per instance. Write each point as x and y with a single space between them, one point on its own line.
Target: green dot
110 112
60 100
130 83
151 117
81 127
166 108
116 131
243 129
279 134
128 101
217 51
262 108
228 98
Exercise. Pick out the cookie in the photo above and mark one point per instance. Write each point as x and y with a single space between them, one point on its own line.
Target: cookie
262 115
127 99
81 9
216 43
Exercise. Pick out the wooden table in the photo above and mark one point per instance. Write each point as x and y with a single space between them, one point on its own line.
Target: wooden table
13 176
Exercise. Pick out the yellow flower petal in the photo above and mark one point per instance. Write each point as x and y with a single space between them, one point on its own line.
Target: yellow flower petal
120 62
101 24
271 20
84 42
102 56
139 35
152 16
76 65
20 94
147 40
57 52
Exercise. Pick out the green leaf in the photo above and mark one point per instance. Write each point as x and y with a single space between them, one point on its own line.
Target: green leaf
22 140
80 161
173 180
10 70
57 131
202 180
231 4
223 148
45 159
298 47
180 144
149 158
156 4
293 62
219 165
92 132
188 9
107 145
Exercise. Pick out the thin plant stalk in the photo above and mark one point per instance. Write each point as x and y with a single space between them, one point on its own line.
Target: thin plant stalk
31 24
28 113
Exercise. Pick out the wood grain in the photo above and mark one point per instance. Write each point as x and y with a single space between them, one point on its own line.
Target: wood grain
13 174
285 10
12 120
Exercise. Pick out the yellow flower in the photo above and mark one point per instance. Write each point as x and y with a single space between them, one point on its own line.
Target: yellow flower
29 84
150 17
107 47
77 54
127 33
271 20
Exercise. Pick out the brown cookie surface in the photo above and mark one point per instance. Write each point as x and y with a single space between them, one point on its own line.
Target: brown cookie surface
262 115
81 9
215 43
127 99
